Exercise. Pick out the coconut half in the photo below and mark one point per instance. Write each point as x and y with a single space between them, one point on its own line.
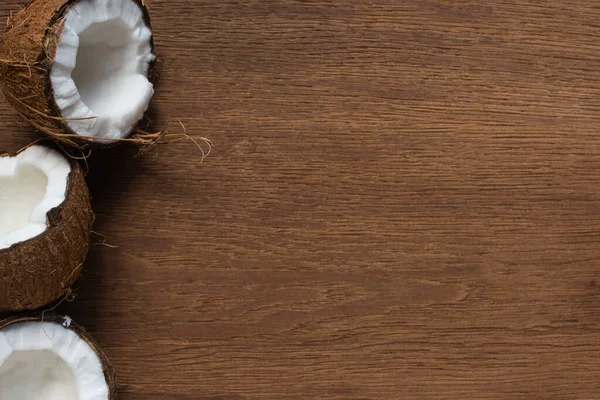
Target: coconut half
52 358
80 70
45 225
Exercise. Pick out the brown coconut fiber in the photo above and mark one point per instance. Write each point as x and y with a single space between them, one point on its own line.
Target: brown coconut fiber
39 271
27 51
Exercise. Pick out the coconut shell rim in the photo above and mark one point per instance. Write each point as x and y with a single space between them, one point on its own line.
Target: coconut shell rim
49 89
107 367
53 216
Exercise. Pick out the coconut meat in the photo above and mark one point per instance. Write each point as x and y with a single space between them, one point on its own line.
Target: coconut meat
100 70
31 184
48 361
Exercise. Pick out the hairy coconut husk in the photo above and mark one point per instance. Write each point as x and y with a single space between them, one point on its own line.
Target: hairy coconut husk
67 323
27 51
40 270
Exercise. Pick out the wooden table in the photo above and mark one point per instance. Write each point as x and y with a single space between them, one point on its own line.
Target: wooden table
402 202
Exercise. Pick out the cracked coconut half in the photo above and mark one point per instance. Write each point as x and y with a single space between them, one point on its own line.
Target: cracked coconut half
52 358
80 70
45 225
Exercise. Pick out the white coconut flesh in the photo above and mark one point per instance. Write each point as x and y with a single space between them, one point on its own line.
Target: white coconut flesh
100 71
31 184
48 361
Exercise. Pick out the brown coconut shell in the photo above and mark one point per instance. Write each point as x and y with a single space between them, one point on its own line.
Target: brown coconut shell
107 368
27 52
38 271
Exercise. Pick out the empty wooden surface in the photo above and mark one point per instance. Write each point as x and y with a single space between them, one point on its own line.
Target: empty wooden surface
402 202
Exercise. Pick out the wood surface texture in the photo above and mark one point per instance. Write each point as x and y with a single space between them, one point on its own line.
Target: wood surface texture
402 202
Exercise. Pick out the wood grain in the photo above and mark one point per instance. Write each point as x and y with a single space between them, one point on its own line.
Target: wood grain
402 203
